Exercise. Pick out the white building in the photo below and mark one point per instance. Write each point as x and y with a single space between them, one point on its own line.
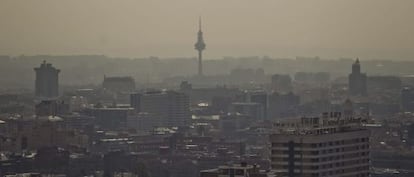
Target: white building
330 145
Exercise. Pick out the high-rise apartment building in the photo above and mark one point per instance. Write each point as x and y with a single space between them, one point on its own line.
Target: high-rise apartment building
331 145
171 108
47 81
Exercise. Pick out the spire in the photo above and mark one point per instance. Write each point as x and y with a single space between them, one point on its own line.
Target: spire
200 46
356 67
199 23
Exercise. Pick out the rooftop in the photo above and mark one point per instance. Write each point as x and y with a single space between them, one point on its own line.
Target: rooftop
328 123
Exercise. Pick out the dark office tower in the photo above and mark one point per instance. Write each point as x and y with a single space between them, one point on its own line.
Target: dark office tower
200 46
357 80
47 81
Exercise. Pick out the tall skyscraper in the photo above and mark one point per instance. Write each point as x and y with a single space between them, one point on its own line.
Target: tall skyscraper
47 81
357 80
331 145
200 46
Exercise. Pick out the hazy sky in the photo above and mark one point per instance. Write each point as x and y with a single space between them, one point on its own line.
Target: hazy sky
167 28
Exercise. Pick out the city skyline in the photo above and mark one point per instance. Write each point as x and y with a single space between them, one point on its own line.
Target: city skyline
97 88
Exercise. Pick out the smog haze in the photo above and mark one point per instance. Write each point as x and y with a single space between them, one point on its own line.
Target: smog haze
376 29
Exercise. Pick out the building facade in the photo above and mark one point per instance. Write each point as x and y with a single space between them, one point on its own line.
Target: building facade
235 170
331 145
171 108
47 81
